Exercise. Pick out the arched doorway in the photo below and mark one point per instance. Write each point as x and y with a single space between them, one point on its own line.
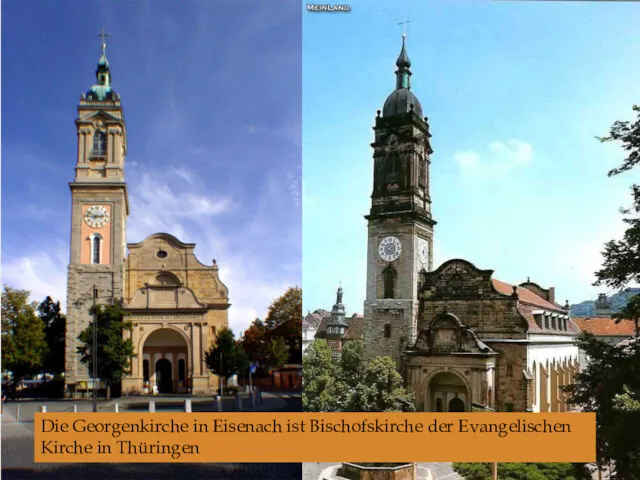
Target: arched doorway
165 352
164 379
448 392
456 405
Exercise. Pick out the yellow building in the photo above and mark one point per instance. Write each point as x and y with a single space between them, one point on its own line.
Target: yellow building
175 302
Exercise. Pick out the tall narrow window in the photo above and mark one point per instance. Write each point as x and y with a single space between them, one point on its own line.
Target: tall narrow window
387 330
145 370
99 143
389 280
96 244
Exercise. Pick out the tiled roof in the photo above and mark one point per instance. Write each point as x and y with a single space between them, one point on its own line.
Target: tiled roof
356 328
606 327
312 320
525 295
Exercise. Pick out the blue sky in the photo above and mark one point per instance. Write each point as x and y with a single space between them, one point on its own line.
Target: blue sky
211 92
515 93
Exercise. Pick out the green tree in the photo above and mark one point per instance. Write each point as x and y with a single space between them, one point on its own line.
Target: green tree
319 376
631 311
349 384
23 338
284 319
278 352
523 471
621 257
54 328
114 352
382 389
226 357
607 385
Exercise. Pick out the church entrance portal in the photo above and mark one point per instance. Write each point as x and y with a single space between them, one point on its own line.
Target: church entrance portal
448 393
163 376
165 362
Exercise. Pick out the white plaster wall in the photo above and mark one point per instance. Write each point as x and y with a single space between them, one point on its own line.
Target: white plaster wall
561 350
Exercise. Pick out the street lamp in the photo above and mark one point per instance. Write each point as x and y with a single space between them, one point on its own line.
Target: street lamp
95 350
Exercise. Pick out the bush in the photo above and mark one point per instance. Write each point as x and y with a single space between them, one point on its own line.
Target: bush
523 471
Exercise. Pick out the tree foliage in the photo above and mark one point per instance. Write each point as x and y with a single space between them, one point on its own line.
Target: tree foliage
54 328
319 376
523 471
226 357
277 340
631 311
609 385
284 319
621 263
348 384
23 337
114 352
629 135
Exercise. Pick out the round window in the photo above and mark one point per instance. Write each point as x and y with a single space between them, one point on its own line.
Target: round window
161 254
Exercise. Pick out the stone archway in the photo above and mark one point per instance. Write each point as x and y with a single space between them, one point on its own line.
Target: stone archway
165 351
448 392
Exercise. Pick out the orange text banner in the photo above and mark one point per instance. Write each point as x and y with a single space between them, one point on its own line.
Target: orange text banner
314 437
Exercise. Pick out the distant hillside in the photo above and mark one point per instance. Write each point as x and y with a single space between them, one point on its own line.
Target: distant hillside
588 309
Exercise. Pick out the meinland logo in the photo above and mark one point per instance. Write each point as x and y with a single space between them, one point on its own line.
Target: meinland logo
317 7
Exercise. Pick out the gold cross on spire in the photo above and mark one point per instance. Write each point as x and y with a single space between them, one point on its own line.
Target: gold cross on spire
104 42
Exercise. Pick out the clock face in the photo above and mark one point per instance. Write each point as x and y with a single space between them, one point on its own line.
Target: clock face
390 249
423 251
96 216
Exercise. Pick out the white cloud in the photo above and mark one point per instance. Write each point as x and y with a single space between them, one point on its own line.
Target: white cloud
43 274
501 159
467 159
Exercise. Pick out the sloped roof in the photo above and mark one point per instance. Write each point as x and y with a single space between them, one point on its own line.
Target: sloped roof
606 326
525 295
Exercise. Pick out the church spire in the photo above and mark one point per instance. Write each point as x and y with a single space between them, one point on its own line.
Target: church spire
103 74
102 91
403 63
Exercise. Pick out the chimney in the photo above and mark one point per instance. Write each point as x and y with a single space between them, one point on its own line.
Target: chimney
551 296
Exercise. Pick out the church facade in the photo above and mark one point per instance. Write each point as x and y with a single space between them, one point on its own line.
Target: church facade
463 340
175 302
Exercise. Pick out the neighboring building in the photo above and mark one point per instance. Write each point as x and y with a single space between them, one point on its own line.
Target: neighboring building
175 302
310 325
603 307
336 328
461 338
606 329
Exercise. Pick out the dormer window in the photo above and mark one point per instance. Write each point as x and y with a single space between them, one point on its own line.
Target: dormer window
99 143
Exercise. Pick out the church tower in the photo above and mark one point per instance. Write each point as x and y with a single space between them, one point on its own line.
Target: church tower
99 209
400 227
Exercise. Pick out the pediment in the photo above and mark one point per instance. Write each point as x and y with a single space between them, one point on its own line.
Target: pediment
447 335
98 115
457 279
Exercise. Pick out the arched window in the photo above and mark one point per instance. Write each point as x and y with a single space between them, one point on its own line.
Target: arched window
389 280
96 246
99 143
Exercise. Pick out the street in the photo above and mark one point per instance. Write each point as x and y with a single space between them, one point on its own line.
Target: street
18 444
